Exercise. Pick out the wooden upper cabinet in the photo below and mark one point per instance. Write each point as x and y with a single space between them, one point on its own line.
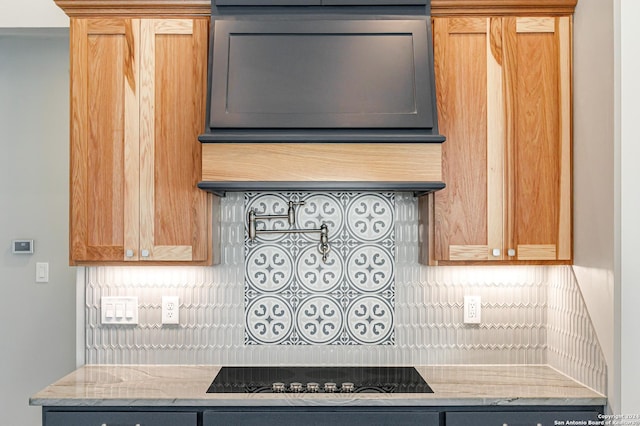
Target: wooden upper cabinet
504 104
138 93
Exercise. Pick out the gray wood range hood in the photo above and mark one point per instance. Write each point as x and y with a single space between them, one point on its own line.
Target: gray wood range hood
307 95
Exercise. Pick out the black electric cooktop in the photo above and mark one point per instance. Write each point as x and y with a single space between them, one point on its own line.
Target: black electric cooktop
319 379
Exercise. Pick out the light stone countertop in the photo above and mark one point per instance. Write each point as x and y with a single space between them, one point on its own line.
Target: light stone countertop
186 385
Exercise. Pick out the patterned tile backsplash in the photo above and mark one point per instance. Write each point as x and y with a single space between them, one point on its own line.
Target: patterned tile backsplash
295 297
531 314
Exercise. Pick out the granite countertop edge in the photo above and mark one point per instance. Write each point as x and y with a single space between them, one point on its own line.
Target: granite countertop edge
186 386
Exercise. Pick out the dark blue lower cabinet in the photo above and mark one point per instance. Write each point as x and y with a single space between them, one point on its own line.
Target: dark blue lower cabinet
320 417
317 416
523 418
106 418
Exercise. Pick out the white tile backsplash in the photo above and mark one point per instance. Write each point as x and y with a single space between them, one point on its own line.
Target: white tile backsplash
531 314
573 346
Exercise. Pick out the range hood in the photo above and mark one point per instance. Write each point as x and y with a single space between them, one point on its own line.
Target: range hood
321 98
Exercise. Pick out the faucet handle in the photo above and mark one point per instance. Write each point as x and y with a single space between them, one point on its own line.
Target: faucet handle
291 214
324 247
252 224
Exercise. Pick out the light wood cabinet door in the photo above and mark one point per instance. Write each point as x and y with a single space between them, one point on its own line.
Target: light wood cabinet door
503 88
138 97
537 66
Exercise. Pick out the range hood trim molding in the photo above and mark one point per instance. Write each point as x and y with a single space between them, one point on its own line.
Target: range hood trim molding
320 135
417 188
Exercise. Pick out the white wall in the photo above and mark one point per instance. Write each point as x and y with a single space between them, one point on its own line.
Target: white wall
606 194
31 13
628 143
594 167
37 321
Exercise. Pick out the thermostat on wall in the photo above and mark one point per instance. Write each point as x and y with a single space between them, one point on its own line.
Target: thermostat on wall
22 246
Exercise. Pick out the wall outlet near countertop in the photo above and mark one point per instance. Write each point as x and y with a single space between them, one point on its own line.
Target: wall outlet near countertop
170 310
472 309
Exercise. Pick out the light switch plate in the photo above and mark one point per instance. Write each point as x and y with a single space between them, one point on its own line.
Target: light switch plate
119 310
42 272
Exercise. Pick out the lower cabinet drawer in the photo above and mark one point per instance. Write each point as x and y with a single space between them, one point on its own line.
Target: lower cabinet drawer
524 418
99 418
321 418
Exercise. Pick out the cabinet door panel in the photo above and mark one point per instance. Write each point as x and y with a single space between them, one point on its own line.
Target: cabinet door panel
54 418
320 418
103 78
538 182
173 81
314 80
517 418
461 61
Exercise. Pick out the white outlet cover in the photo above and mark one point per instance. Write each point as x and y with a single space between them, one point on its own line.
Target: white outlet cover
170 310
472 309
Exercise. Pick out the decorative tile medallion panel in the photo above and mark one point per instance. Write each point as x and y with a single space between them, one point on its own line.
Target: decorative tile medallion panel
295 297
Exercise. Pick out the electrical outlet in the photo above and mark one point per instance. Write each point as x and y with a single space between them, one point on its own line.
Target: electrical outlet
170 310
472 309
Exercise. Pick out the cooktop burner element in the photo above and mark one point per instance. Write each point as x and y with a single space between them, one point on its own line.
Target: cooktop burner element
319 380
